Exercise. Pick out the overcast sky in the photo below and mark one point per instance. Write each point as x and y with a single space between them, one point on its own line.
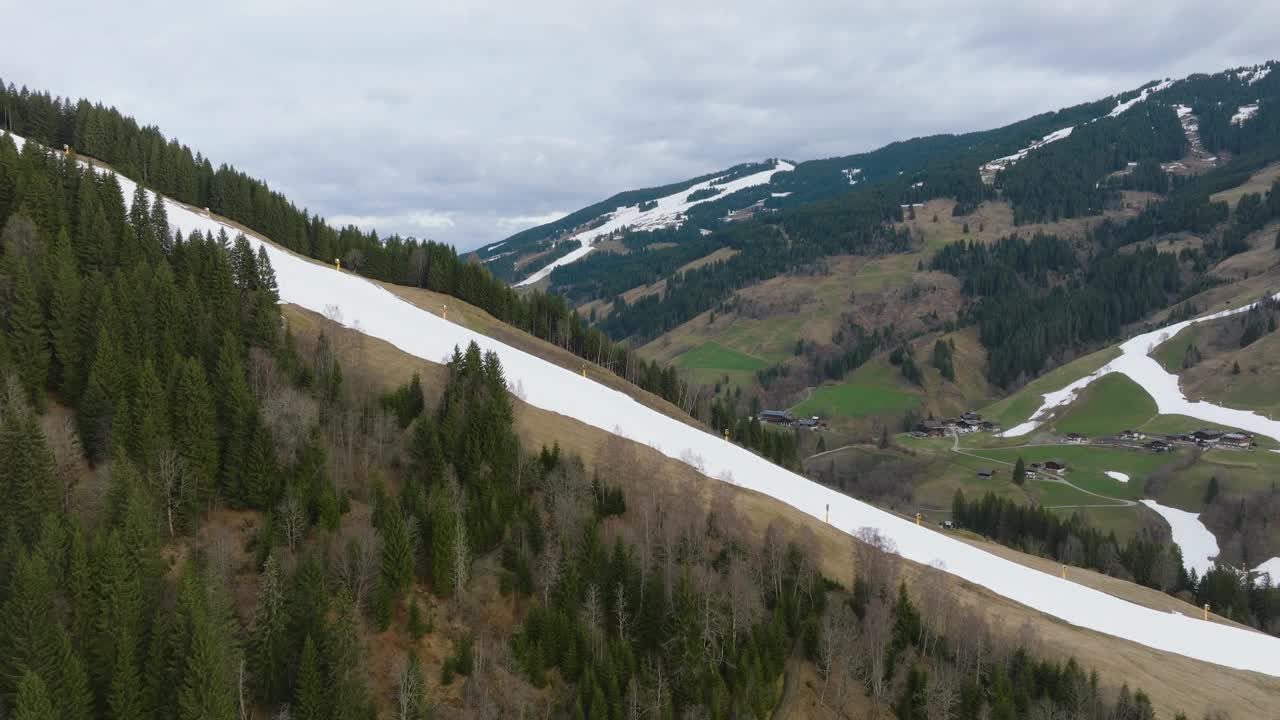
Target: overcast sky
466 121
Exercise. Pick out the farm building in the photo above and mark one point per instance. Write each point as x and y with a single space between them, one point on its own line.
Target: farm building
776 417
1055 466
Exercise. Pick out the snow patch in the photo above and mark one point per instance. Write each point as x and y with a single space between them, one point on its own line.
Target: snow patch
1116 475
1141 97
669 212
1244 113
367 307
1199 546
780 194
1269 570
1004 162
1254 74
1136 363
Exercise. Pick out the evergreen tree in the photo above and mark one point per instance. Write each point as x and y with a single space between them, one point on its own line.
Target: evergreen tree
33 702
28 340
1019 471
193 421
207 690
149 424
26 468
397 549
308 698
235 418
125 699
105 386
268 643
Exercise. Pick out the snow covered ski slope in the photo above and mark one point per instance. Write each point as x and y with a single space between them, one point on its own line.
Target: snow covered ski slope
367 307
669 212
1135 362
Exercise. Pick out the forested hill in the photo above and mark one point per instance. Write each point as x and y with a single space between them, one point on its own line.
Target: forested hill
209 515
1061 177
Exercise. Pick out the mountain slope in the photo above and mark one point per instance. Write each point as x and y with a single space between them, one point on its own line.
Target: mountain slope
375 312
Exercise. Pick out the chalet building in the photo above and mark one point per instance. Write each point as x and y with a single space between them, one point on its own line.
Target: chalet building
1158 446
1132 435
776 417
1238 440
1076 438
931 428
1054 466
971 417
1207 436
986 474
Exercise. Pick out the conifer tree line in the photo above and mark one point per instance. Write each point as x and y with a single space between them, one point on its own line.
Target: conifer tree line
1037 300
1146 559
144 155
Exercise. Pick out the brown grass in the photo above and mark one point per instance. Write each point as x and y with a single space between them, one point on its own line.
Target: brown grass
1174 682
1259 183
478 320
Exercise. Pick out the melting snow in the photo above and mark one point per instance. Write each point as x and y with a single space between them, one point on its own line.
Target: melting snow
1254 74
1142 96
1007 160
781 194
367 307
1199 546
1271 569
669 212
1115 475
851 174
1135 362
1244 113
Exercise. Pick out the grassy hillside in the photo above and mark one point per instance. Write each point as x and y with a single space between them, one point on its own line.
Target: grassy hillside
1109 405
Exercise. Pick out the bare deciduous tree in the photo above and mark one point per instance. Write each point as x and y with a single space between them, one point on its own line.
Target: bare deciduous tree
877 632
64 443
172 482
292 519
354 557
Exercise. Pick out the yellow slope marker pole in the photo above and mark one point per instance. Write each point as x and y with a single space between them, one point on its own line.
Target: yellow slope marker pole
444 312
337 264
917 518
1064 572
726 434
828 513
584 370
1206 611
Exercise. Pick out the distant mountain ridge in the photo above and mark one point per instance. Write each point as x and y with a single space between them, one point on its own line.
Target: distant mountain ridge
945 165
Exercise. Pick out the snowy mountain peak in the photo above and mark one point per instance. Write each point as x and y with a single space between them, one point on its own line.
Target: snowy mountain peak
663 212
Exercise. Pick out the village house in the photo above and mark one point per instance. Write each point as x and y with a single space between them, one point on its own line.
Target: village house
1054 466
776 417
1238 440
931 428
1076 438
971 417
1158 446
1132 435
986 474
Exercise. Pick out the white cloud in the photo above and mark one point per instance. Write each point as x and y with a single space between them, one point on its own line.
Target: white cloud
387 224
520 222
483 111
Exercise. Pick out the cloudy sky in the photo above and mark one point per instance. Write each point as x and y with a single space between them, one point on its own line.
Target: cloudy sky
465 121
